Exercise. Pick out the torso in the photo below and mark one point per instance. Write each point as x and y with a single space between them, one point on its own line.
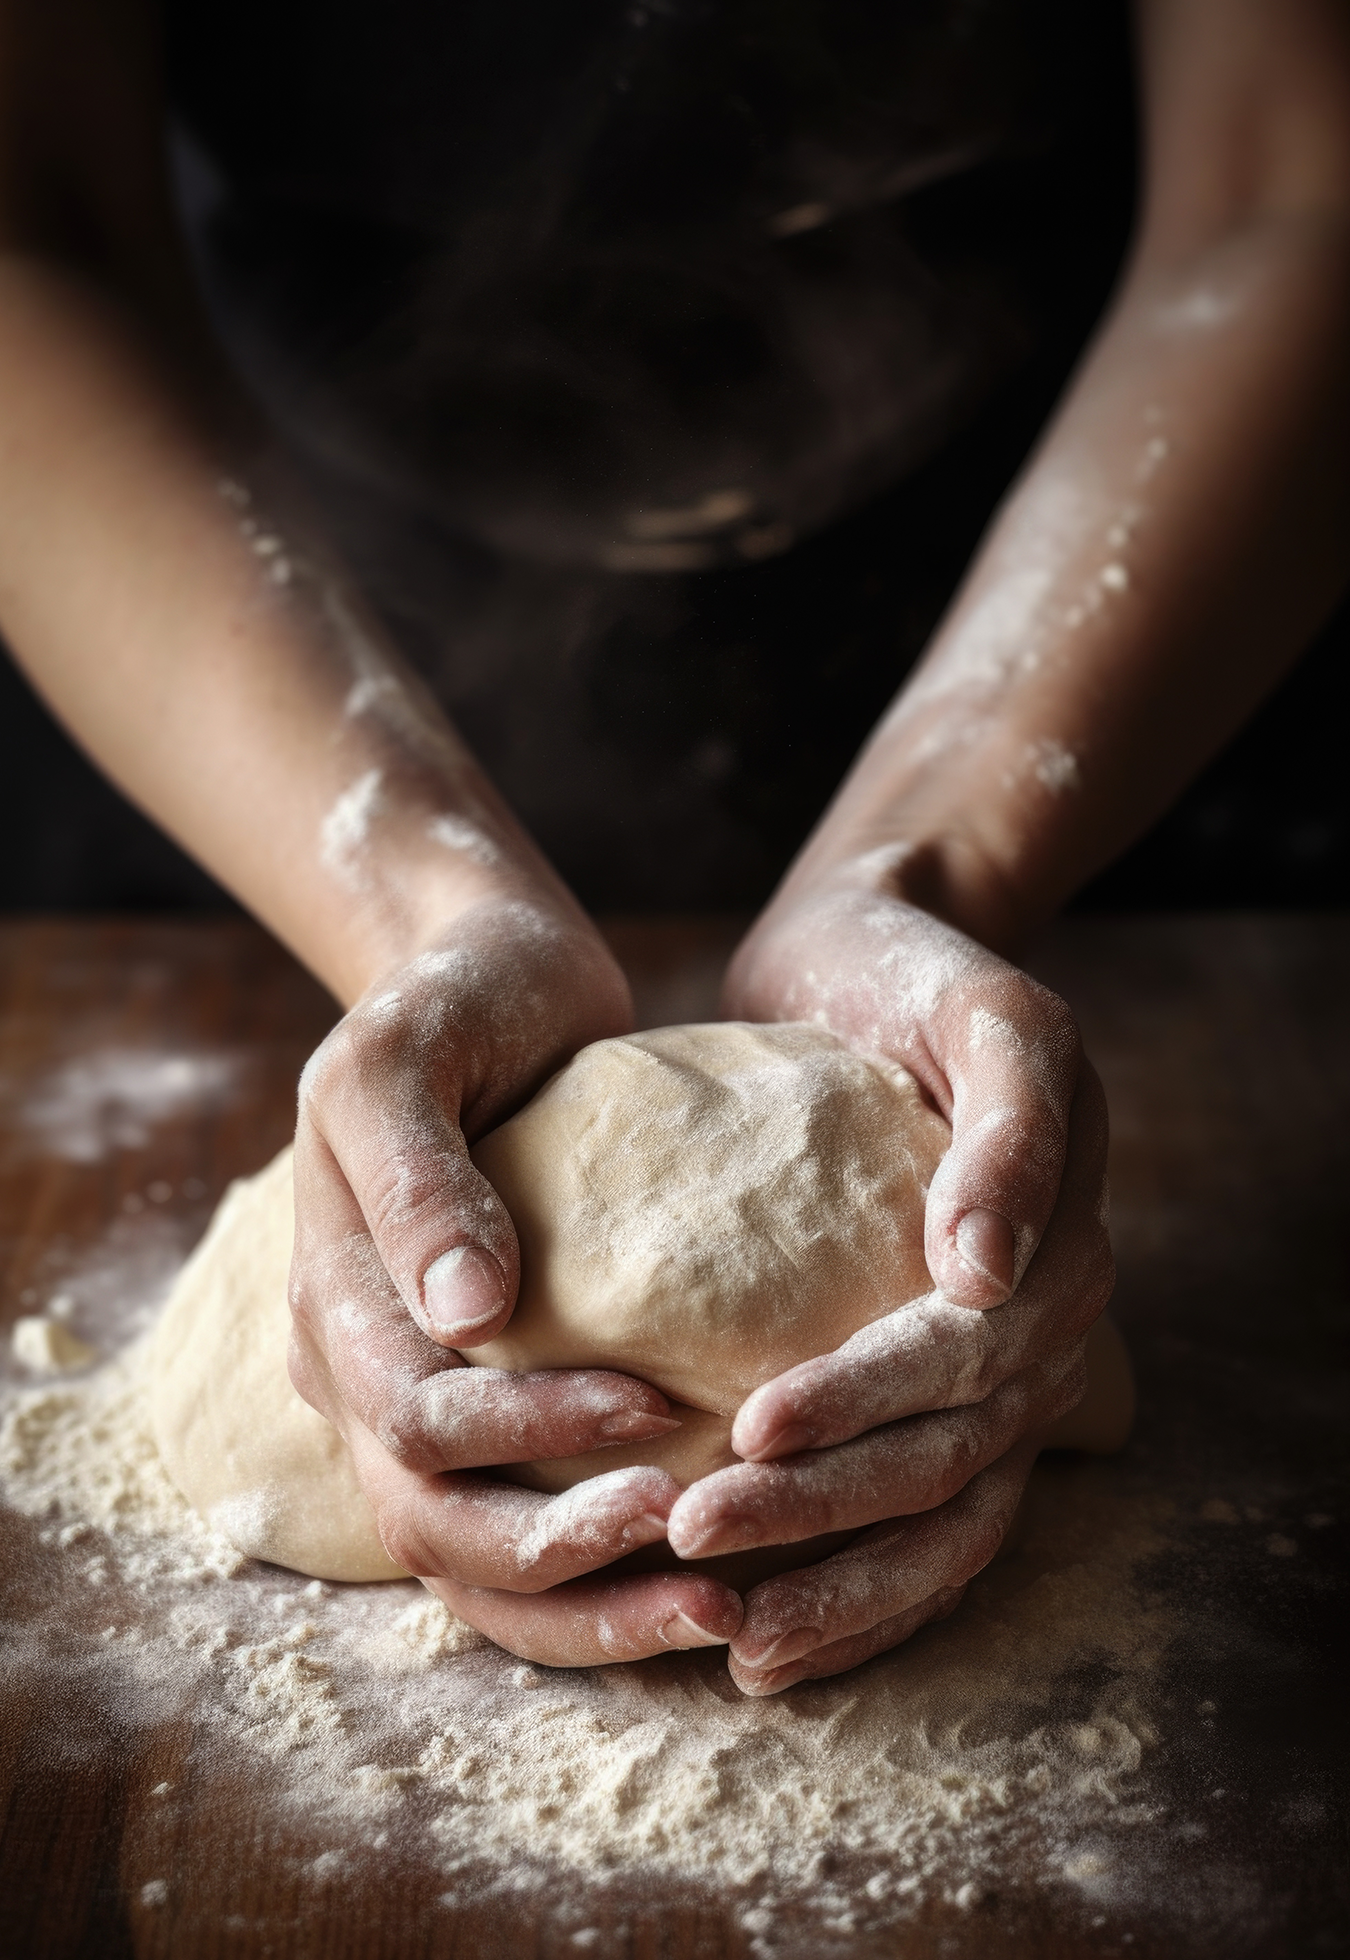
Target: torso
547 293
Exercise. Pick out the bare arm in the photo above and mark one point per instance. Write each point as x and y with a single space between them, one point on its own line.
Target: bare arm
187 630
1184 525
209 660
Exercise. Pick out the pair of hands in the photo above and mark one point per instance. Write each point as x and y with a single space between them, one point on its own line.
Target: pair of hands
917 1434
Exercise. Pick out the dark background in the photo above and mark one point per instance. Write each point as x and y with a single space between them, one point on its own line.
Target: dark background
739 696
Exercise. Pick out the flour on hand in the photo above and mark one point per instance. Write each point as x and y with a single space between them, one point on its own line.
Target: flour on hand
703 1207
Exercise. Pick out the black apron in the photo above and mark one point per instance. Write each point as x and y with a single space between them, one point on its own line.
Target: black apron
604 331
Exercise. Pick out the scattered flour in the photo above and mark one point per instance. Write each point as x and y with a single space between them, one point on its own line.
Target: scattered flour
114 1098
1013 1738
46 1347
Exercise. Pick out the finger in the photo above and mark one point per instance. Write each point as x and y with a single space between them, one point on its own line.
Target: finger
837 1656
594 1621
1012 1056
356 1353
927 1355
485 1533
381 1124
886 1574
474 1417
931 1354
903 1468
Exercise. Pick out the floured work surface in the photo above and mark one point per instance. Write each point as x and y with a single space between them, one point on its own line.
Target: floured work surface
1123 1742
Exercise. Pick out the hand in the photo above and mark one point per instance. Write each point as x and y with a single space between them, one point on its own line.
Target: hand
921 1430
403 1249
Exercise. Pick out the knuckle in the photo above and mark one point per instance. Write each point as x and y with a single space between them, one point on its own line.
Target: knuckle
974 1381
403 1539
985 1533
330 1061
402 1191
306 1312
1097 1285
306 1375
983 1368
362 1054
944 1485
1056 1025
818 1520
989 1375
811 1506
1069 1388
402 1431
944 1479
944 1602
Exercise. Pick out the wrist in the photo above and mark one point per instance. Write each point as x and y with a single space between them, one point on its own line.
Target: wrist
502 992
415 915
946 873
421 870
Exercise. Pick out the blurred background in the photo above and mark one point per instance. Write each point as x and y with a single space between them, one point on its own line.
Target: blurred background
670 737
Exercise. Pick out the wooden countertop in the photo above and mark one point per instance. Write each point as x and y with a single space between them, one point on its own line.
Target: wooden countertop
1225 1046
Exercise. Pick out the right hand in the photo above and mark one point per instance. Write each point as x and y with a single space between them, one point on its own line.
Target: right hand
404 1250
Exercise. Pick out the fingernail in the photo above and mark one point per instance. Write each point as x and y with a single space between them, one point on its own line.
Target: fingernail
728 1534
635 1426
985 1242
681 1631
644 1529
787 1648
784 1442
463 1290
770 1686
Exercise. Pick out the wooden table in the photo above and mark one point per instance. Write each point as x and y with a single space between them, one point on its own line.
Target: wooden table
1226 1052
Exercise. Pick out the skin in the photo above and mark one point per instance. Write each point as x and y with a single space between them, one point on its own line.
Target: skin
1175 540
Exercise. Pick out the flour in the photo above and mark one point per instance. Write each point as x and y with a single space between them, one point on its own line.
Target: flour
345 829
114 1098
1014 1736
1054 767
47 1347
265 543
458 834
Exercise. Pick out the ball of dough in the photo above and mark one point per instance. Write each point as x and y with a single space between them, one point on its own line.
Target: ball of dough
705 1206
700 1206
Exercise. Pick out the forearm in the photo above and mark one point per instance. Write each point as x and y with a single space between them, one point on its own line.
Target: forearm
1170 549
1185 524
213 667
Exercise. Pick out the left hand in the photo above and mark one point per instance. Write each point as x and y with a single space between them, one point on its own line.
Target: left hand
920 1431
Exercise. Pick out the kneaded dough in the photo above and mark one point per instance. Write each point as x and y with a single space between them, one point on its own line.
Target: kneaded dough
253 1459
700 1206
706 1206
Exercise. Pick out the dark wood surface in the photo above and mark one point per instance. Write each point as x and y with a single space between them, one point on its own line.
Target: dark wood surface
1226 1052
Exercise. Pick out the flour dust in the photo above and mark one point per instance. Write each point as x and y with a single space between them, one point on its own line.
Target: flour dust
1009 1745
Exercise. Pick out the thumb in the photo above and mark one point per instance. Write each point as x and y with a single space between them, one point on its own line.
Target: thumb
441 1232
993 1193
454 1256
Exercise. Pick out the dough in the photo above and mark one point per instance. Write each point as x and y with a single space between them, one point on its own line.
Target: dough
705 1206
701 1206
253 1459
